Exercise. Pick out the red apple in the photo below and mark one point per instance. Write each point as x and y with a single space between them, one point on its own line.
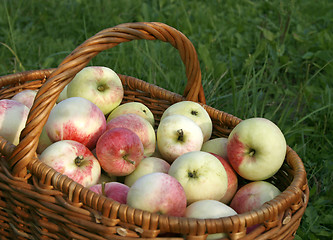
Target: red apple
140 126
158 193
119 151
232 180
114 190
76 119
73 159
252 196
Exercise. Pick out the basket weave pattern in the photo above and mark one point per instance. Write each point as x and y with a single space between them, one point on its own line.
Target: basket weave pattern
36 202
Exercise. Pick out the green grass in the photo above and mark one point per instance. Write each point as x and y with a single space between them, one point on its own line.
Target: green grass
270 59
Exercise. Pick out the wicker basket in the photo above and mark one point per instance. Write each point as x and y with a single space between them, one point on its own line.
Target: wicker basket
36 202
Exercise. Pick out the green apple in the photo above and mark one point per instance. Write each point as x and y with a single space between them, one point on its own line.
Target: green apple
100 85
210 209
195 112
201 174
217 146
44 141
63 95
147 165
133 107
256 148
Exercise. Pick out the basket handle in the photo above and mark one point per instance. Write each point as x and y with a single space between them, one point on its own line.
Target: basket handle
46 97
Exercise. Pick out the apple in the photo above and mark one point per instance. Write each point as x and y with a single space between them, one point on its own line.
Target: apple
73 159
114 190
147 165
76 119
26 97
194 111
176 135
63 95
158 193
232 180
13 117
140 126
210 209
43 142
100 85
201 174
119 151
252 196
156 153
133 107
256 148
217 146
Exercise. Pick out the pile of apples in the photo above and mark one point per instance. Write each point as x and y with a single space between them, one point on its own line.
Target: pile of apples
174 167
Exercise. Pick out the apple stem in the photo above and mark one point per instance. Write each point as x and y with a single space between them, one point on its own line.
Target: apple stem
78 160
180 134
101 88
193 112
129 160
252 152
192 174
103 188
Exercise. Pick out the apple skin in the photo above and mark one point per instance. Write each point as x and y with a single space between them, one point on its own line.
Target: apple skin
210 209
146 166
157 152
256 148
13 117
73 159
140 126
232 180
201 174
62 95
119 151
100 85
158 193
252 196
194 111
26 97
133 107
76 119
217 146
114 190
44 141
176 135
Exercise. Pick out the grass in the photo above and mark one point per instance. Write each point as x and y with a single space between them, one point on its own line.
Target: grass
268 59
